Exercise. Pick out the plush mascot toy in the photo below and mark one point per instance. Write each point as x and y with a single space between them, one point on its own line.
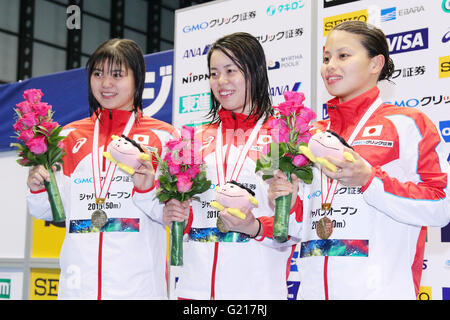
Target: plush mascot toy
125 153
233 196
326 143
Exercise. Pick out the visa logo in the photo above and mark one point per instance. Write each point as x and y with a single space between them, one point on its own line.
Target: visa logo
408 41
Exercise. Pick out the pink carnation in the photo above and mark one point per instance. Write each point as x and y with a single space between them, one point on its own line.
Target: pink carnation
298 97
49 126
33 95
300 160
26 135
30 119
24 107
37 145
19 126
41 108
187 132
184 183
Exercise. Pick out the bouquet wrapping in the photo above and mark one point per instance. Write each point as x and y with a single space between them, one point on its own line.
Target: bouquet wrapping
40 143
289 131
182 176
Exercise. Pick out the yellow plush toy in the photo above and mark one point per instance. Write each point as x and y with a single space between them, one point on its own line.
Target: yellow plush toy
233 196
125 153
326 143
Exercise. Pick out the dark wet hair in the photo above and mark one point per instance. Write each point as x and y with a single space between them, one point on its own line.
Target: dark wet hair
240 185
374 40
248 55
342 140
118 52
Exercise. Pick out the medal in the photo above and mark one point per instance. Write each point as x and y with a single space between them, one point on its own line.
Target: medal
324 228
326 206
99 218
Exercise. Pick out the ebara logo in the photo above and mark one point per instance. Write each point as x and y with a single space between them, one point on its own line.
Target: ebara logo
388 14
444 126
408 41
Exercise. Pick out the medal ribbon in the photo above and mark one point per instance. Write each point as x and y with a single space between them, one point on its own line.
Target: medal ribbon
222 177
330 183
99 188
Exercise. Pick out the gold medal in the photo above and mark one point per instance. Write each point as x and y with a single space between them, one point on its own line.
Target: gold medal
100 200
324 228
99 218
326 206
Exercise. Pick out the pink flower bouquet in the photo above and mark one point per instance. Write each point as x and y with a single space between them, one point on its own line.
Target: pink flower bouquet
40 142
289 131
182 177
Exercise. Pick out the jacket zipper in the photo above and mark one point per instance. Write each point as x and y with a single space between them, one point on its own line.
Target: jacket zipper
214 268
325 277
100 247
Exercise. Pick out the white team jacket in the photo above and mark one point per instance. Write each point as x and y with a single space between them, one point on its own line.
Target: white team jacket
376 248
126 259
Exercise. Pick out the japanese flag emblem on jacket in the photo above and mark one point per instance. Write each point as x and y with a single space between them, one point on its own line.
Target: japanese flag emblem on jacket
372 131
142 139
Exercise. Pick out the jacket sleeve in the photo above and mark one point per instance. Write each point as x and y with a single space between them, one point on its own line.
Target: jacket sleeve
415 190
38 203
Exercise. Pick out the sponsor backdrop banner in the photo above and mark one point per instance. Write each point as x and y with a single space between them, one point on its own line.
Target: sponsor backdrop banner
418 34
419 43
282 27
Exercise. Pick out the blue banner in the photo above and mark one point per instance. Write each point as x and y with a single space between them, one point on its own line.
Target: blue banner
67 92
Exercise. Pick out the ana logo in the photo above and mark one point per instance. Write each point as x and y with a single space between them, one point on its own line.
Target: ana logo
444 67
196 52
196 77
325 115
408 41
200 26
280 90
165 74
444 126
330 22
445 236
446 37
5 288
388 14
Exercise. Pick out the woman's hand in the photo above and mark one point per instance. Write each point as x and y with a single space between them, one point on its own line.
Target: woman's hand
36 177
280 186
144 176
175 210
350 173
249 225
